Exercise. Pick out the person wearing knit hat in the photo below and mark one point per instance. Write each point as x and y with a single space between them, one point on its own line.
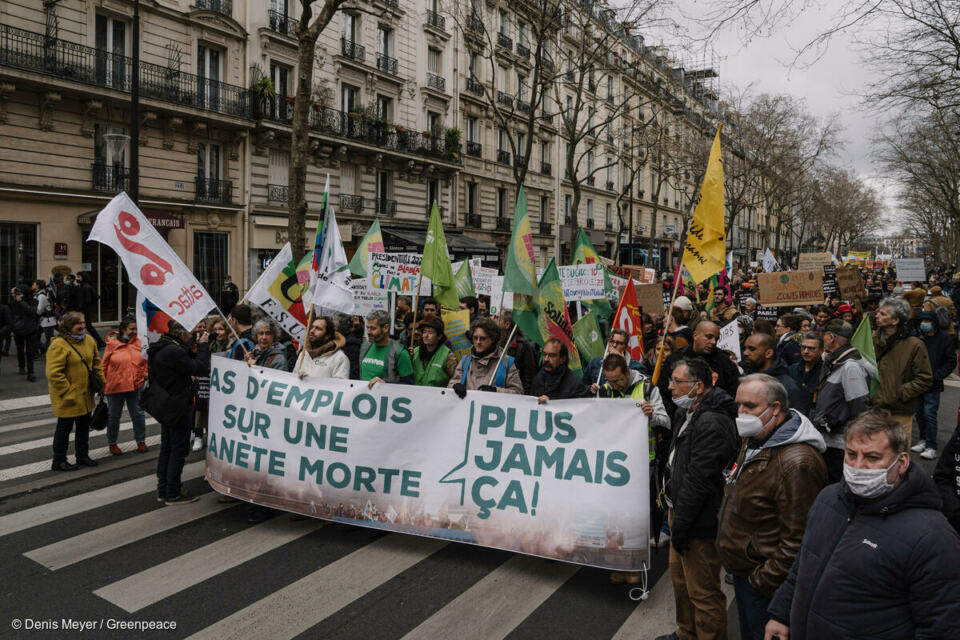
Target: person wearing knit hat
846 313
433 361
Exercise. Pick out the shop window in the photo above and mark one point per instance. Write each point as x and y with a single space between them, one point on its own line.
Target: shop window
18 256
210 264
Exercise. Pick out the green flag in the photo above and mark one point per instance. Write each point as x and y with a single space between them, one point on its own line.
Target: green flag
520 272
372 242
436 263
862 341
464 280
553 319
585 253
586 334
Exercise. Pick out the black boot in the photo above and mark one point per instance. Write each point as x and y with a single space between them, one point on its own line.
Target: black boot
86 461
63 465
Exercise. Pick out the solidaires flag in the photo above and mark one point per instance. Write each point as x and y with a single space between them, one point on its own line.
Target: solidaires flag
436 263
553 319
705 250
520 272
585 253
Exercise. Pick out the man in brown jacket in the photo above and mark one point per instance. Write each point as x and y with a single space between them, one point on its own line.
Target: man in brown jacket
938 300
776 477
903 366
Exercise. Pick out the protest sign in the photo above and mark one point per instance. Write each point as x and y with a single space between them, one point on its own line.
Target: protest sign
497 294
730 338
767 313
814 260
911 270
366 298
455 326
558 480
791 288
278 293
650 298
483 280
397 272
769 262
830 287
850 284
582 282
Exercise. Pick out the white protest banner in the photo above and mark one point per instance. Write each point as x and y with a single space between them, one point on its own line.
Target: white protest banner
152 266
911 270
483 280
582 282
730 338
277 292
769 262
497 293
566 480
366 298
397 272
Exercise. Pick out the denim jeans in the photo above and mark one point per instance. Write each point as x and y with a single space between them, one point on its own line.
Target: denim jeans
115 403
927 410
751 609
174 446
81 442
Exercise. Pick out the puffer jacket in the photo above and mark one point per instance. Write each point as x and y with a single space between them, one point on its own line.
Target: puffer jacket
482 369
765 503
694 481
903 367
123 364
68 378
883 569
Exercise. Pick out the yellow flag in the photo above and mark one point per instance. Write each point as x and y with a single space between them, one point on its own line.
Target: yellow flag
705 251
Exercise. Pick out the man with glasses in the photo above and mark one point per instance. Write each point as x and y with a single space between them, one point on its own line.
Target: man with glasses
806 373
705 442
594 376
483 368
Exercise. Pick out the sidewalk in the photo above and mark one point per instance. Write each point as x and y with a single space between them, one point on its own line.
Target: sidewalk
13 385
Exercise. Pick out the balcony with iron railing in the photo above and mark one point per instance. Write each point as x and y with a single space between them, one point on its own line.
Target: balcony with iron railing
386 207
223 7
387 64
546 228
523 106
608 225
110 178
523 51
278 109
436 20
474 149
545 168
212 190
503 40
277 192
503 157
546 63
436 82
474 86
505 99
473 220
610 185
69 61
503 223
592 181
283 24
520 159
352 50
351 203
474 23
589 223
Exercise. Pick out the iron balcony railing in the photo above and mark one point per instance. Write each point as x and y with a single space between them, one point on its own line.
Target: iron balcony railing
503 157
589 223
282 23
520 159
211 190
474 23
592 180
434 19
474 86
352 50
436 82
279 109
505 99
610 185
380 133
391 3
224 7
609 226
34 52
110 178
386 207
387 64
474 149
504 41
546 63
523 106
546 228
351 203
523 51
503 223
473 220
545 168
277 192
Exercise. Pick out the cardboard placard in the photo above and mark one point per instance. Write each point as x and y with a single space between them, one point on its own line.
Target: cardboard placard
791 288
850 284
650 298
814 260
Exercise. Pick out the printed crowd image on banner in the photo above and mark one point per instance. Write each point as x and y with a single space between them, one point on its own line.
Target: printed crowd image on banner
567 480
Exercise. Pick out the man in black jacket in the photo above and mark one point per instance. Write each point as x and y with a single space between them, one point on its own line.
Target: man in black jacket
26 329
943 360
878 559
946 475
520 349
172 366
705 442
555 381
760 356
806 373
704 346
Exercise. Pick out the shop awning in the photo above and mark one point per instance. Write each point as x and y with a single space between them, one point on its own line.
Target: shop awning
457 243
159 219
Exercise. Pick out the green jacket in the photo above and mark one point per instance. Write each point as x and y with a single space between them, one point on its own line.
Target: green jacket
437 371
903 368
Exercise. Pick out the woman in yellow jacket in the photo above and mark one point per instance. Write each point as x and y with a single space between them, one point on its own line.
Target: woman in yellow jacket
71 398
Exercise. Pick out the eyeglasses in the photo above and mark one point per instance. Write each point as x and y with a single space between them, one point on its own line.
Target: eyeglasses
677 382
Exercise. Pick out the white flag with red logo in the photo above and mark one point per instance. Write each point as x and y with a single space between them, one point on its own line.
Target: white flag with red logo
152 266
627 318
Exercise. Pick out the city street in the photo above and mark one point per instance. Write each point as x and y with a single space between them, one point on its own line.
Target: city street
94 548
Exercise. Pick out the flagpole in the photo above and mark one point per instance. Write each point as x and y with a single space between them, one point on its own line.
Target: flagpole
503 353
416 307
303 344
666 325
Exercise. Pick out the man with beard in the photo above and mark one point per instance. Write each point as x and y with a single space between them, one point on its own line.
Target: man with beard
383 359
723 310
759 356
433 361
593 376
555 381
483 368
324 356
725 372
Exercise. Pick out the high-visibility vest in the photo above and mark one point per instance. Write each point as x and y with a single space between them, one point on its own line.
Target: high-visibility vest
433 373
638 393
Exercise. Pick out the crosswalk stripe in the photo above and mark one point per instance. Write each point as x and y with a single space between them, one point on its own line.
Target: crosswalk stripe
25 403
50 420
37 467
499 602
156 583
48 442
302 604
52 511
92 543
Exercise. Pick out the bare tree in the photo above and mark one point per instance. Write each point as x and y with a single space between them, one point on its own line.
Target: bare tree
846 208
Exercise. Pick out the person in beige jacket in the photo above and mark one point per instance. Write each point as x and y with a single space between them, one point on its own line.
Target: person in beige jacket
72 354
476 370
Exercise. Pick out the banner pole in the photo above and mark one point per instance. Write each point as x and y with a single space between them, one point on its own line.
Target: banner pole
503 353
666 324
303 344
416 307
232 330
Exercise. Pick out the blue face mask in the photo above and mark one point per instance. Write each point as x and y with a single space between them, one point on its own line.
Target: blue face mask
926 326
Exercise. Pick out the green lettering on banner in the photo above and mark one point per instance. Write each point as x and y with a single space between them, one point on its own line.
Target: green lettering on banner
275 393
338 439
401 414
298 397
388 476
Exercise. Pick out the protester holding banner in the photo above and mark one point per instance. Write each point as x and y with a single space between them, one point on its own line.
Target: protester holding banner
486 367
433 361
593 375
124 369
555 380
73 374
323 355
383 359
622 382
267 352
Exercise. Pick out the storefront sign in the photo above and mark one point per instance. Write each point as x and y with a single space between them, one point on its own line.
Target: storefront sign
60 250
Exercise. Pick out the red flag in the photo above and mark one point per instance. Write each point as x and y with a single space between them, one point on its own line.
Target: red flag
627 318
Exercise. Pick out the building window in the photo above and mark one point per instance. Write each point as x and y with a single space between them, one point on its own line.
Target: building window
384 41
385 107
210 253
434 123
111 43
609 172
109 161
434 195
504 26
471 198
475 66
544 151
349 26
569 107
610 87
521 88
521 143
208 160
502 143
384 187
502 79
209 74
522 38
589 210
501 203
435 61
567 205
589 163
349 98
18 256
608 216
544 209
280 75
471 129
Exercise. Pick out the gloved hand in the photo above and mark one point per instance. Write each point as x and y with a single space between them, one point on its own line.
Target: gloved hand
488 387
460 389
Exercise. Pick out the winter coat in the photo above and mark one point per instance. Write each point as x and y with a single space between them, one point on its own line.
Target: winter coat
766 500
726 375
698 455
24 317
173 366
595 369
525 359
905 374
331 362
123 364
788 348
351 349
68 378
6 321
481 370
72 298
880 569
946 475
722 315
935 302
273 357
566 384
843 394
942 355
807 382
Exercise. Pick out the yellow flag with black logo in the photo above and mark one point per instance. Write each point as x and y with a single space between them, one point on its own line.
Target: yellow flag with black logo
705 251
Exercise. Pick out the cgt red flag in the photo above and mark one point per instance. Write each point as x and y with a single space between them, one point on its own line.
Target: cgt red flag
627 318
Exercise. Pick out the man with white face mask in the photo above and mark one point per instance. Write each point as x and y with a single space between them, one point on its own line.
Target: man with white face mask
878 559
770 488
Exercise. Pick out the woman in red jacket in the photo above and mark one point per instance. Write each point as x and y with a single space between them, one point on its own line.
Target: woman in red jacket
125 370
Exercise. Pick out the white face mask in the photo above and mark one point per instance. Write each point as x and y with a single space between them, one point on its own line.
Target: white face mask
868 483
686 402
750 425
